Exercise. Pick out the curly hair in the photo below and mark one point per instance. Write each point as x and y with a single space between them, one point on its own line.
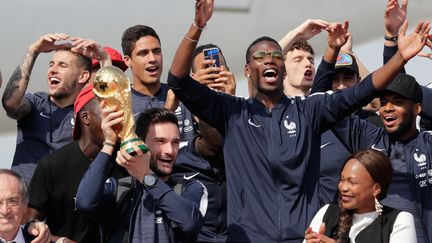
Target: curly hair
301 45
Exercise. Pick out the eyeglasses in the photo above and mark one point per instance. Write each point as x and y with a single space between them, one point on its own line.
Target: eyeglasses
260 56
11 202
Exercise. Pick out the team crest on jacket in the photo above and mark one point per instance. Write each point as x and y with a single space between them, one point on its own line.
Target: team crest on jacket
421 159
290 126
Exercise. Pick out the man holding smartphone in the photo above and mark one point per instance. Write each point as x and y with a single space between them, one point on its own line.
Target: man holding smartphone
208 72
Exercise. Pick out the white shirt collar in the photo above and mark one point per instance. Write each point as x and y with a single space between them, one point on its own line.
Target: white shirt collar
19 237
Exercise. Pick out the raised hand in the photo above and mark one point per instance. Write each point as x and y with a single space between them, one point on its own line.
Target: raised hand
46 43
338 35
425 54
89 48
410 45
394 16
171 102
347 47
203 11
310 28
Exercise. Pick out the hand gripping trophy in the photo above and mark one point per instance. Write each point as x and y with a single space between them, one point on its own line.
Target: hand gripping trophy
112 86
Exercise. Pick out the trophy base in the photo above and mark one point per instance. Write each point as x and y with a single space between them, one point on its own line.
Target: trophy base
129 145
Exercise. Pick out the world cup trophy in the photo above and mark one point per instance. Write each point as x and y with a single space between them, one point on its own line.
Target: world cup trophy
112 86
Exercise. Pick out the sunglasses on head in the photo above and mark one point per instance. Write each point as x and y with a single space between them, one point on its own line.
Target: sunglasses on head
260 56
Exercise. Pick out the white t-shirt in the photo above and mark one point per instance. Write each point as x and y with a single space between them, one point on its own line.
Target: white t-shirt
403 228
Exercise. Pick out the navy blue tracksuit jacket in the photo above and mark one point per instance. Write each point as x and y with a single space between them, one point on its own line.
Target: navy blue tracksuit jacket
271 155
190 163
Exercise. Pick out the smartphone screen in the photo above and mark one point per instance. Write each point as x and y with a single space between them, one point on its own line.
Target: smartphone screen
212 54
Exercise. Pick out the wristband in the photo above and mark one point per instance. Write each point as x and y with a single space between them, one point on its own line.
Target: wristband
109 144
391 38
196 25
190 39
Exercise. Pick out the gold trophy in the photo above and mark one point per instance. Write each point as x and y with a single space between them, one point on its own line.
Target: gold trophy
112 86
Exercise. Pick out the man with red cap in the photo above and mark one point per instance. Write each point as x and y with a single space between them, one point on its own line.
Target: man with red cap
57 176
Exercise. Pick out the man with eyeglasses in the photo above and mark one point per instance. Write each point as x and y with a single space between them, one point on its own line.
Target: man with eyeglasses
13 205
271 142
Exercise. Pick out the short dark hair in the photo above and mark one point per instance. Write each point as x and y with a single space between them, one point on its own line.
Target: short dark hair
301 45
24 188
378 166
200 48
133 34
83 61
261 39
152 116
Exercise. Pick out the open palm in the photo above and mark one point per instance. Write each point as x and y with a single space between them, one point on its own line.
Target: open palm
410 45
203 11
338 35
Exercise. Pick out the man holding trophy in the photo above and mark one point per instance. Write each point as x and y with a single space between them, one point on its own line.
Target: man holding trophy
158 213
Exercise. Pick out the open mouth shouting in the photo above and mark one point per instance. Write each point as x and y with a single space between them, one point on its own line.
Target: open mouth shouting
53 81
270 75
389 120
308 75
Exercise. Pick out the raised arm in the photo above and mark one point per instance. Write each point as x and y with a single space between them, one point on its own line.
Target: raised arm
408 47
13 100
394 17
304 31
338 35
182 63
91 49
95 196
425 54
347 48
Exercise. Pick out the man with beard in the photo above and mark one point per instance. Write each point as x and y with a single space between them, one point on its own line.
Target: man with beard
153 212
272 143
45 119
409 150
